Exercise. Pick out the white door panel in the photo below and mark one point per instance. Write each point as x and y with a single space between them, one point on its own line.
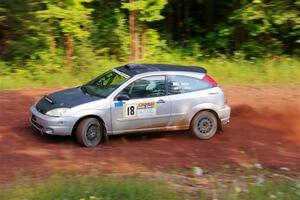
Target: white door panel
142 113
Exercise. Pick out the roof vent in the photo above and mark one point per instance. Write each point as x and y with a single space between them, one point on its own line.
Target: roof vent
132 66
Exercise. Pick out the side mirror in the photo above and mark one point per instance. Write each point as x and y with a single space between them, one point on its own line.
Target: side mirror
123 97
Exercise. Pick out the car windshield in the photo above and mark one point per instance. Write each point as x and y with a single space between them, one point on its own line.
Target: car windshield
105 84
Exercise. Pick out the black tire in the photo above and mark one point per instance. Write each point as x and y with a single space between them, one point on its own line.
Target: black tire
89 132
204 125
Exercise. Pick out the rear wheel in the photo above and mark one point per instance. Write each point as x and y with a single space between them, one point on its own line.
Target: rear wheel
204 125
89 132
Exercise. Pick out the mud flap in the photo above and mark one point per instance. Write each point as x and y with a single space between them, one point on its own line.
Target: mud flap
220 126
105 136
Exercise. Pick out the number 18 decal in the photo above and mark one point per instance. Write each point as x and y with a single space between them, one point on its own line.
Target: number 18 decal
129 110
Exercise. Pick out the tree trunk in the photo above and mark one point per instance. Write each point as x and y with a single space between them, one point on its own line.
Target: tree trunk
69 39
239 37
101 9
134 39
60 3
179 22
51 38
187 30
169 22
69 46
137 38
210 14
132 35
144 40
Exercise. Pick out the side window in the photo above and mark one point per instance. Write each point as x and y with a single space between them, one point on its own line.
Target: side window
152 86
185 84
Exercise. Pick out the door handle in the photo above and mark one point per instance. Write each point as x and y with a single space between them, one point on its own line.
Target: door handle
213 93
161 101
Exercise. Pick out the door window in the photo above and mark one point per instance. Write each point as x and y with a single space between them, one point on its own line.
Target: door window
152 86
185 84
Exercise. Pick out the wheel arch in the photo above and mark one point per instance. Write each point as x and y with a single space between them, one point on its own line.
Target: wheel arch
220 128
85 117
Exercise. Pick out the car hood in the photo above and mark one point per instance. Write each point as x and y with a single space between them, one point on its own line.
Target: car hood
64 99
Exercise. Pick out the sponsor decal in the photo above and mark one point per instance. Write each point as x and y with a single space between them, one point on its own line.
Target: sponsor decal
141 109
129 110
119 104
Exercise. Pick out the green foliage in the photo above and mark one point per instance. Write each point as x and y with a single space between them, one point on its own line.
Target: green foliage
19 30
149 10
71 16
117 45
219 40
275 189
3 69
45 61
85 59
91 188
255 48
2 16
225 71
154 46
96 187
33 34
268 25
152 10
36 77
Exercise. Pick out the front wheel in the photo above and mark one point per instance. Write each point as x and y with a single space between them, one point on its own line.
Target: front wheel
89 132
204 125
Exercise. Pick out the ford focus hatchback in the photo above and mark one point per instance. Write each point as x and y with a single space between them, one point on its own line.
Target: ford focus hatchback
135 98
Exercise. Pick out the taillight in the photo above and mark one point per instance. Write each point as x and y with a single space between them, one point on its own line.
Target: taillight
209 80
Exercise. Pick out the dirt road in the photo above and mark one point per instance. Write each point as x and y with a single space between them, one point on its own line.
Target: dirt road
264 128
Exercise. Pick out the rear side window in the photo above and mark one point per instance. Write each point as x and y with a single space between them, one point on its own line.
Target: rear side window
185 84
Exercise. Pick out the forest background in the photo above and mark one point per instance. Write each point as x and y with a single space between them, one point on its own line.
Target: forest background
67 42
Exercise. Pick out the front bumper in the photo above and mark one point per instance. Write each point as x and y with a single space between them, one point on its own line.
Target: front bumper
51 125
224 114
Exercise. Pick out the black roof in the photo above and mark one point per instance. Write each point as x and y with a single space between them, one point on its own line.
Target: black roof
134 69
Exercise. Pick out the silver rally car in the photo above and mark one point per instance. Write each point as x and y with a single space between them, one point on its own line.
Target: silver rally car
135 98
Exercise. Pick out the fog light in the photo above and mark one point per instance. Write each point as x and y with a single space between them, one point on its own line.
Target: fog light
60 123
48 130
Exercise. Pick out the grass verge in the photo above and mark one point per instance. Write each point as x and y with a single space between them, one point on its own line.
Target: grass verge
95 187
90 188
275 189
277 71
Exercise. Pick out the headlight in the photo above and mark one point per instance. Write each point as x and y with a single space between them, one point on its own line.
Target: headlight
57 112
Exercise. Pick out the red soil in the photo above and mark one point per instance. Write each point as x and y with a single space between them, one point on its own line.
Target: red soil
264 128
